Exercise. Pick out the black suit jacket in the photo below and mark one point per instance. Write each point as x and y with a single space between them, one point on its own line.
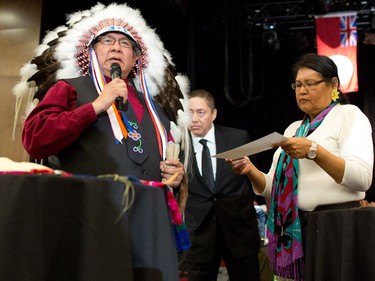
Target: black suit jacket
228 209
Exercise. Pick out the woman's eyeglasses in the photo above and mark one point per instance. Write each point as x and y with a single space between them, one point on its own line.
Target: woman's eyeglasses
309 84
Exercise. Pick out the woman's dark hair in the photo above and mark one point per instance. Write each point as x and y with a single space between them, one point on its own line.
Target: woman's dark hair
323 65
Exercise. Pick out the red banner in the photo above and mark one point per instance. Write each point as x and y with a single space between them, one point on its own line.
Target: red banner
336 37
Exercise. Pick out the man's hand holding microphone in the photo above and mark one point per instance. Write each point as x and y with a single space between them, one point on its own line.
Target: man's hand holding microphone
115 91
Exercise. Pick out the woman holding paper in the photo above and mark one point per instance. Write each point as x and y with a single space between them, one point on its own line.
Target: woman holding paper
326 163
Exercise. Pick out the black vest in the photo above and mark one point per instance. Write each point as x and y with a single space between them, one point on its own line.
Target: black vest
96 152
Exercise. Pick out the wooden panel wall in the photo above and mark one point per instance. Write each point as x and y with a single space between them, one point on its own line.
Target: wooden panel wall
19 36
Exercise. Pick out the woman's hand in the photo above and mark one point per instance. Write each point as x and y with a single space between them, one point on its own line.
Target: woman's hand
243 166
295 147
240 166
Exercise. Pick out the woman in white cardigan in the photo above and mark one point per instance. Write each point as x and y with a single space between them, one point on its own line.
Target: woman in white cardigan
325 163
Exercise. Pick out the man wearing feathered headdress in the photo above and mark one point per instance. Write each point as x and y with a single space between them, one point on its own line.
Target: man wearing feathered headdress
105 54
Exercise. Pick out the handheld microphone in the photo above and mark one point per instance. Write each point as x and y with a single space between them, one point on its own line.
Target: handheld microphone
115 71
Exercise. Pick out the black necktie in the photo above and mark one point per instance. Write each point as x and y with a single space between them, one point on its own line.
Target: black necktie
207 171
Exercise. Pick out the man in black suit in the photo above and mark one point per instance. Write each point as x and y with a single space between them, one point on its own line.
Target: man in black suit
221 220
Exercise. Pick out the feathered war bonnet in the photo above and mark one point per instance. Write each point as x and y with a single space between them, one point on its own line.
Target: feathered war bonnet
63 55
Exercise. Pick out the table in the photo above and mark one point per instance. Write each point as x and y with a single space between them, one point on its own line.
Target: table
341 245
63 228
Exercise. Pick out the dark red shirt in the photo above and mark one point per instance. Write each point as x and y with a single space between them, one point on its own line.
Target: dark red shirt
56 122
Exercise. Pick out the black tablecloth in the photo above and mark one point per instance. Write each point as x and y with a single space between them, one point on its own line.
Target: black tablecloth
341 245
63 228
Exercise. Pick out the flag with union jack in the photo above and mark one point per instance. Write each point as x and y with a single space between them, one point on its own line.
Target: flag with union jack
336 37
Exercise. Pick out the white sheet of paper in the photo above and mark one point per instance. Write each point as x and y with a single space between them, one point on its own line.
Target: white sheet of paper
259 145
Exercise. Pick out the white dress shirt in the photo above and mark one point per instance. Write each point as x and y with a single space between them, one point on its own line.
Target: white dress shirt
210 137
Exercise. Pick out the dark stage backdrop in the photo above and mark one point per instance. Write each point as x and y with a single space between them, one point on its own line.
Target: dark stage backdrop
220 51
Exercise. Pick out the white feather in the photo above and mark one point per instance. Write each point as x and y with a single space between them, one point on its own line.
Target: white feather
40 49
21 89
28 70
183 82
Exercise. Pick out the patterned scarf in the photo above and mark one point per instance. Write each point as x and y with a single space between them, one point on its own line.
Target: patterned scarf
285 249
